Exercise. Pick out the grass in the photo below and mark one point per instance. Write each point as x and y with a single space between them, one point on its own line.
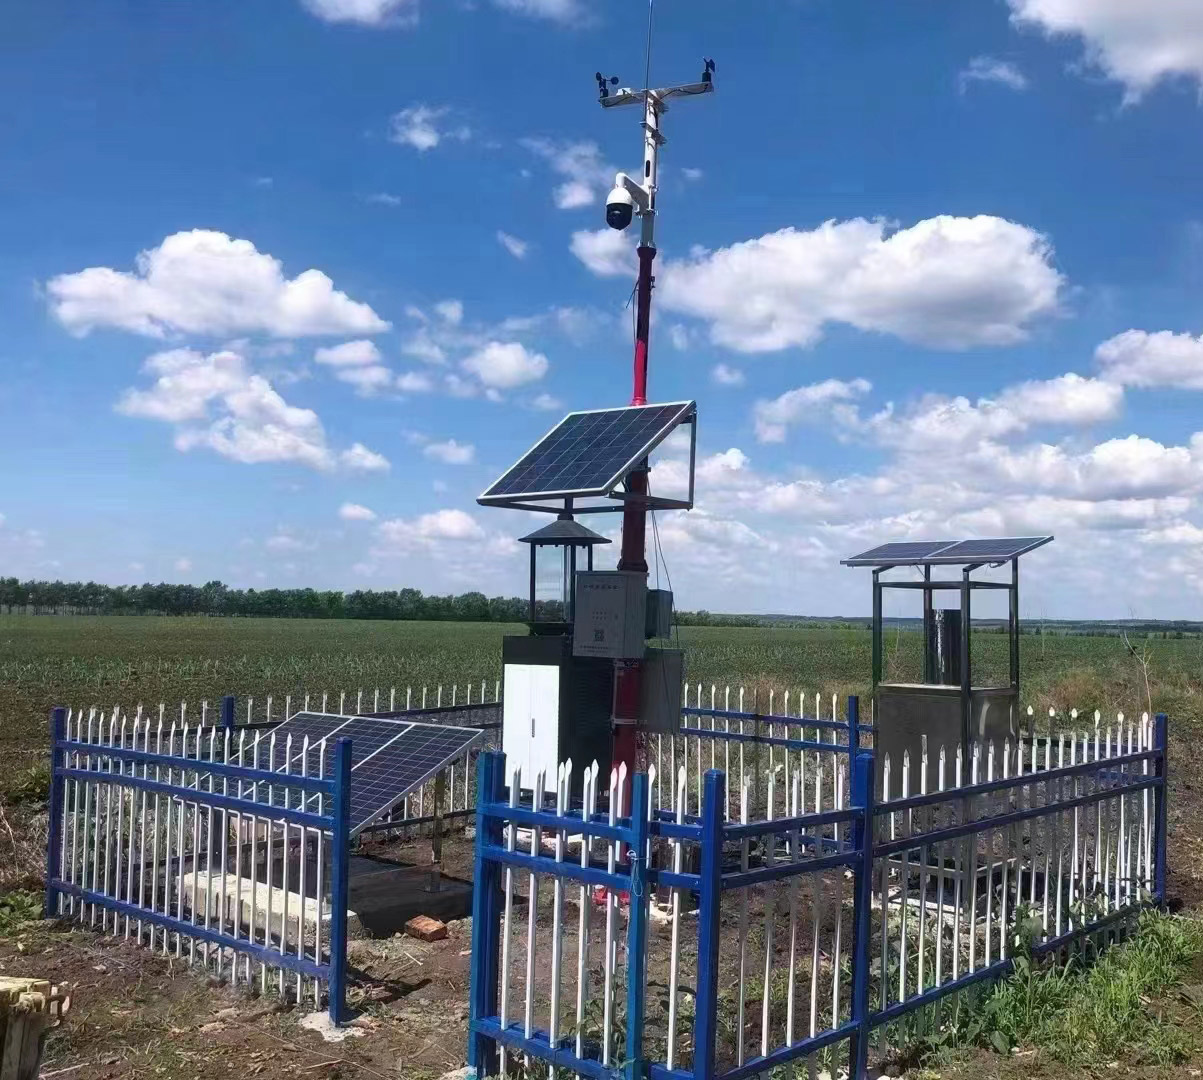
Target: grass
1090 1011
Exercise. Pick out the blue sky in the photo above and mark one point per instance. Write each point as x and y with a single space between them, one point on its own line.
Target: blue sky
285 283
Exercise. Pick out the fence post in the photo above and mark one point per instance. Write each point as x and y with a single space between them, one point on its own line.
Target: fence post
637 928
486 915
339 875
54 850
1161 743
853 723
227 711
862 840
705 1024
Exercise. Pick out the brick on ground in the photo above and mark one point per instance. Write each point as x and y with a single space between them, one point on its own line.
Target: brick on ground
424 928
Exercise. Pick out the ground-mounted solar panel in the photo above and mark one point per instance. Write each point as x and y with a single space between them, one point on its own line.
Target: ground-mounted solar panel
390 758
901 552
588 454
993 550
948 552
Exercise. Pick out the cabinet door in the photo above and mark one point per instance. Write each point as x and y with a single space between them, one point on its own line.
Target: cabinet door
544 724
515 721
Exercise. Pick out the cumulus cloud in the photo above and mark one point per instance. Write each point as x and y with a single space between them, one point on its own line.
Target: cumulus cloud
505 365
561 11
945 282
450 452
546 403
349 354
774 417
427 530
1137 44
426 126
605 252
183 565
205 282
414 382
517 248
360 459
726 375
217 402
365 12
988 69
355 512
1138 358
584 174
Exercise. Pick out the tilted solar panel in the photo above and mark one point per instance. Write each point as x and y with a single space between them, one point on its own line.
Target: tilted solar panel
991 550
948 552
589 453
390 758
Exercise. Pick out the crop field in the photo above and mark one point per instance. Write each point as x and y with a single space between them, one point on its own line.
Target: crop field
85 660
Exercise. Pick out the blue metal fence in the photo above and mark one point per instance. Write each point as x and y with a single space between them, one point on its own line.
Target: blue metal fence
789 961
232 848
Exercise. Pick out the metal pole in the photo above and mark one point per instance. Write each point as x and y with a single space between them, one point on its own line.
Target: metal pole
486 915
876 630
339 880
227 711
862 908
54 849
705 1025
637 930
966 681
1014 627
1161 743
929 674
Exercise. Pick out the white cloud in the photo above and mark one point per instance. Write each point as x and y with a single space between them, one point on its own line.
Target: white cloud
450 311
281 542
1137 358
367 380
692 174
400 535
414 382
586 175
563 11
989 69
725 375
349 354
365 12
450 452
773 418
937 422
504 366
605 252
517 248
383 198
183 565
546 403
360 459
205 282
423 128
354 512
678 334
1137 44
945 282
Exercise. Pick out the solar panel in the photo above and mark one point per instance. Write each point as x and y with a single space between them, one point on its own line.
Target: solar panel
993 550
948 552
900 552
588 453
389 758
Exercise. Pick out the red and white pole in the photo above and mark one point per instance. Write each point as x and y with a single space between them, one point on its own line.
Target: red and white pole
628 674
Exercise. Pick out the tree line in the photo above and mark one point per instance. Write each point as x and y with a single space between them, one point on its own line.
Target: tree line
217 598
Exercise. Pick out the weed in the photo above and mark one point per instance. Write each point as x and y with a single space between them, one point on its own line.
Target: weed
31 785
17 907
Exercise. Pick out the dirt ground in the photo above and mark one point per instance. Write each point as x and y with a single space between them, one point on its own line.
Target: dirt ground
135 1014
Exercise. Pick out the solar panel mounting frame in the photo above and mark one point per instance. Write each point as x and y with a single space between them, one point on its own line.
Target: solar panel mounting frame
686 415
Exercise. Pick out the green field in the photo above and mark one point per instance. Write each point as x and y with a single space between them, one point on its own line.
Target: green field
108 660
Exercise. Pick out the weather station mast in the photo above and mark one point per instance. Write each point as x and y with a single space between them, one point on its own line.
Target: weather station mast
584 682
628 199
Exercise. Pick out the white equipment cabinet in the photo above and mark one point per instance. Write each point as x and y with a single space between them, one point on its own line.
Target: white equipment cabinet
531 722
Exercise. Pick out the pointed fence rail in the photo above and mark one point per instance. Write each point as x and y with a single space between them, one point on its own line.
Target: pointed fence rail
628 939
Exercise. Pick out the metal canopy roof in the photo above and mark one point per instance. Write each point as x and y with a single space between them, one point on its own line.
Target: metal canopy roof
567 532
590 455
948 552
